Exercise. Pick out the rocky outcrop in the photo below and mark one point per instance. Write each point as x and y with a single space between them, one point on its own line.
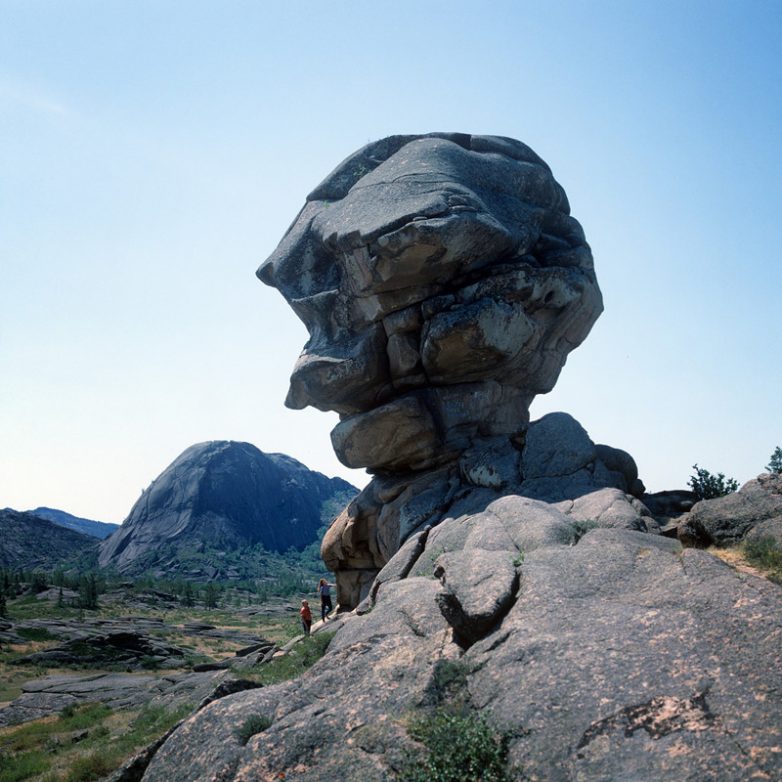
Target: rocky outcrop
434 273
224 496
619 656
727 520
28 542
556 462
506 569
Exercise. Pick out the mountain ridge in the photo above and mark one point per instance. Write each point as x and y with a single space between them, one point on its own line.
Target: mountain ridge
30 542
91 527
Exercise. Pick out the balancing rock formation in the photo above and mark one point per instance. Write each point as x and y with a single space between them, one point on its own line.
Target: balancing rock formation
443 283
503 569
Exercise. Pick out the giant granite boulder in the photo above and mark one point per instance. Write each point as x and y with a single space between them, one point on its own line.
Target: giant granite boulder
439 276
225 495
443 283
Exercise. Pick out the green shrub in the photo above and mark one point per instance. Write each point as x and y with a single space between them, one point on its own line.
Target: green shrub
256 723
581 527
460 748
707 486
775 462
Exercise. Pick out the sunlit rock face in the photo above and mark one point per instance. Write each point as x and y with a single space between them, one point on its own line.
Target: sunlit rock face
443 283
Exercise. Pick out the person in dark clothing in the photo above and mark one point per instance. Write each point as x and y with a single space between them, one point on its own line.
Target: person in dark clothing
324 590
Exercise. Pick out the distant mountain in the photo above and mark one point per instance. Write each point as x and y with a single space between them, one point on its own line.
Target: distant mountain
217 500
29 542
95 529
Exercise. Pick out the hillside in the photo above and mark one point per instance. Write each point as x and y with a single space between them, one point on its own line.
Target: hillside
218 507
28 541
95 529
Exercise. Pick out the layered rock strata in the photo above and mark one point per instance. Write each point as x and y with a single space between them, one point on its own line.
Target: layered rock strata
443 283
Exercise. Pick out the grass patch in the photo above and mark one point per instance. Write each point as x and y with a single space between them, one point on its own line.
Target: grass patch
460 747
291 665
33 749
23 766
256 723
35 734
90 767
764 553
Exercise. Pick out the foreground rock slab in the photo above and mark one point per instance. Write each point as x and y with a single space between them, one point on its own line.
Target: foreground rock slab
623 656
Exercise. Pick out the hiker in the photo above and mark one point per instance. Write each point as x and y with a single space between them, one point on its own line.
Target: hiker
306 616
324 590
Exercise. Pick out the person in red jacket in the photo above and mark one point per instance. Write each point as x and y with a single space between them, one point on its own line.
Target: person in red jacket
306 616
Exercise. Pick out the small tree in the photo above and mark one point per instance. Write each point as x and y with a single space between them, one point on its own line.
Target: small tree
707 486
3 606
188 596
38 582
211 593
775 462
88 592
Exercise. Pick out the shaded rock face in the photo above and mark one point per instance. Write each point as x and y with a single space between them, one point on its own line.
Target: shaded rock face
614 654
443 283
28 541
224 495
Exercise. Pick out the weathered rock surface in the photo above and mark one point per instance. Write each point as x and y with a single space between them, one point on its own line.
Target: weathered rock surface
726 520
430 260
623 656
224 496
28 541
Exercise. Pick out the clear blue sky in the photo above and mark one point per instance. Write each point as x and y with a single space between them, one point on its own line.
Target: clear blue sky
153 153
